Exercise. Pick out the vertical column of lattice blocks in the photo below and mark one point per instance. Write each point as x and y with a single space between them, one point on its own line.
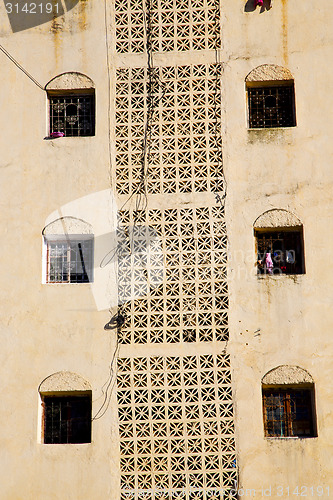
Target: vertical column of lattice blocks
177 25
172 275
183 147
176 427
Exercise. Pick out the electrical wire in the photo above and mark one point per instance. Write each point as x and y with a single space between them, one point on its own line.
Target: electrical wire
154 83
113 253
141 201
18 65
112 378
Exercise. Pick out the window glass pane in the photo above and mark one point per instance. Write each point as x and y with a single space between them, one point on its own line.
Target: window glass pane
67 419
302 413
70 261
81 261
271 106
288 412
73 115
58 265
285 249
275 415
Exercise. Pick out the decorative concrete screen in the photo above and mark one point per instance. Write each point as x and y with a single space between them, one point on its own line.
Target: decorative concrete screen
190 303
176 427
174 380
173 26
184 140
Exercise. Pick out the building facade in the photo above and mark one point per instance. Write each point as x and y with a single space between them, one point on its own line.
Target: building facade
166 191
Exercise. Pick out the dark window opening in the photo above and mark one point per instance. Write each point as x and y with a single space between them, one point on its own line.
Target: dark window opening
67 419
280 252
74 115
288 412
69 261
271 106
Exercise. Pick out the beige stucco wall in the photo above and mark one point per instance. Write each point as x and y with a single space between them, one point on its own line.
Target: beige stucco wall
280 320
47 329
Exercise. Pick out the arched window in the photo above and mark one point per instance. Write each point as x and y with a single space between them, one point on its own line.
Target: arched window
288 403
72 105
66 403
279 242
68 251
271 97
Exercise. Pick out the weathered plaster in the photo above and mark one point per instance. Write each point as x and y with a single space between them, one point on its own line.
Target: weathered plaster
285 374
46 329
276 218
64 381
67 225
269 72
70 80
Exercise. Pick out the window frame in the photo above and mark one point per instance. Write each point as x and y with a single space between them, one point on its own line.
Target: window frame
67 239
72 93
66 431
296 230
287 420
271 84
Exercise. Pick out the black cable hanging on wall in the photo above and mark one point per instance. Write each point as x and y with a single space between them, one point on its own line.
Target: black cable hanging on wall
18 65
154 86
141 203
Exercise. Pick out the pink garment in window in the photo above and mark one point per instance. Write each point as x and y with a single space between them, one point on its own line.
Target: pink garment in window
269 263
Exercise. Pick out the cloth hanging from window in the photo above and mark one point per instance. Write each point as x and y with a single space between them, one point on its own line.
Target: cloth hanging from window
269 263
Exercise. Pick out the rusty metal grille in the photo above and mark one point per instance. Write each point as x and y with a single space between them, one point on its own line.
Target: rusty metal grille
271 106
286 249
288 412
67 419
69 261
73 115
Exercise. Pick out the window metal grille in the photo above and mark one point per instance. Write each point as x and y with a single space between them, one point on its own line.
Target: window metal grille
271 106
67 419
288 412
286 249
69 261
74 115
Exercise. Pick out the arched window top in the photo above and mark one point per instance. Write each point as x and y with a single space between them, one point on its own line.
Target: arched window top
287 375
69 250
64 381
70 81
66 402
279 242
277 218
288 403
269 73
67 225
271 97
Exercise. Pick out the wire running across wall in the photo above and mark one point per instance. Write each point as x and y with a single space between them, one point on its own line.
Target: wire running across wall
20 67
141 201
169 141
154 85
155 93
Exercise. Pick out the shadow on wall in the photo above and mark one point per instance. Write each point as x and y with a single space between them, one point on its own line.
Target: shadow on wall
25 15
139 259
251 5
